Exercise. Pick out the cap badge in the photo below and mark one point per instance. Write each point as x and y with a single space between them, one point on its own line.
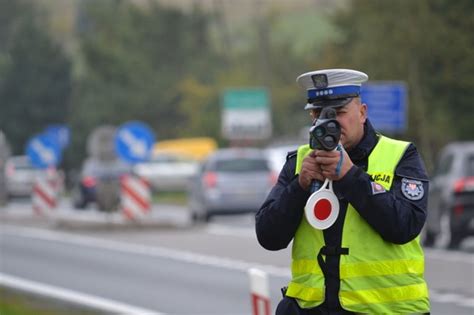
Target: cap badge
320 80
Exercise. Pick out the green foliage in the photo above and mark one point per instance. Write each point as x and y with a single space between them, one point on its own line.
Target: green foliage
426 43
136 60
35 84
20 303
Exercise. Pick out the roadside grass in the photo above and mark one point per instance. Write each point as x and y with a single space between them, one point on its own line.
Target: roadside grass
171 197
14 302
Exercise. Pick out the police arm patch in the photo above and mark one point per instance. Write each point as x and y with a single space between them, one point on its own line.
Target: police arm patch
412 189
377 188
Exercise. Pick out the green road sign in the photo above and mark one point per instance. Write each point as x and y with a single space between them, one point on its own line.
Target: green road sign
246 114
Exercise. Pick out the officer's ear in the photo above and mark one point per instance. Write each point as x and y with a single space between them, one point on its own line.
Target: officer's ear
362 111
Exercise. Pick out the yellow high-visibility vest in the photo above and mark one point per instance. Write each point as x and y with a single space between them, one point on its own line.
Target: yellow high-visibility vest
377 277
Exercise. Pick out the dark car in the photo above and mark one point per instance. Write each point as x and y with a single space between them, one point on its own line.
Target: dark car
99 176
230 181
451 196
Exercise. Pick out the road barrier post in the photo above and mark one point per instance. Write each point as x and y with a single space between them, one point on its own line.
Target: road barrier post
135 197
44 195
259 292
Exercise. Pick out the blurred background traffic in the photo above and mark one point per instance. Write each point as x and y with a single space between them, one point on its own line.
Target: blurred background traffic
197 99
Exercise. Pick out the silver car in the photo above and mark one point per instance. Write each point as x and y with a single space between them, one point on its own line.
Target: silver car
20 176
167 172
451 199
230 181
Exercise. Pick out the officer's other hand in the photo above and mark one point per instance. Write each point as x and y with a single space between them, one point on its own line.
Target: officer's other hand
310 170
328 161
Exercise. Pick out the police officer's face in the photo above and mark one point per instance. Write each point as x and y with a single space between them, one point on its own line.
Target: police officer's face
352 117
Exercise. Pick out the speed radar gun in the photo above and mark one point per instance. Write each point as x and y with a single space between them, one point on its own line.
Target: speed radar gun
322 207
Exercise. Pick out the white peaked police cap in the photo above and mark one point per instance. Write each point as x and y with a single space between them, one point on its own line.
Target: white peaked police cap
331 87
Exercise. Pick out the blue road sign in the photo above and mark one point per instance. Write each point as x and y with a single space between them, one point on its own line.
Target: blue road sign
43 151
387 105
61 132
134 141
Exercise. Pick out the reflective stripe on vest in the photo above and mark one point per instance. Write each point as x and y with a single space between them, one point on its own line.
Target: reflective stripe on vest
377 276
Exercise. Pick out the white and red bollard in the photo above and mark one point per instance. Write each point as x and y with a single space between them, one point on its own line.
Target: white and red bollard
135 197
44 196
259 292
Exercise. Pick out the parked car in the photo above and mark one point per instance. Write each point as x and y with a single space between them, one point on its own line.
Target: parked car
97 175
168 171
20 176
452 194
230 181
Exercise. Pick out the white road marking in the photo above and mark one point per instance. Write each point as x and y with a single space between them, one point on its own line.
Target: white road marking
154 251
73 296
215 261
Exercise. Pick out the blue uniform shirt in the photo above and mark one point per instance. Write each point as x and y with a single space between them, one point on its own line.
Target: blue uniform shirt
394 215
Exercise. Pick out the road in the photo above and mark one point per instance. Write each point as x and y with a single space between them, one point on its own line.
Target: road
181 268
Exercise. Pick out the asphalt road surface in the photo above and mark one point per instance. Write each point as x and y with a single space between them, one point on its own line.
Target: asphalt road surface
174 267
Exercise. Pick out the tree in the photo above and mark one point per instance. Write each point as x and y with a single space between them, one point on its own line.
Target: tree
35 85
135 58
428 44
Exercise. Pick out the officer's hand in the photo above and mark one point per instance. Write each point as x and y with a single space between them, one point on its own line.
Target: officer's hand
328 161
310 170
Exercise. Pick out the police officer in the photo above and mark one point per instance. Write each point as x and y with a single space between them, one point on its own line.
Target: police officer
370 260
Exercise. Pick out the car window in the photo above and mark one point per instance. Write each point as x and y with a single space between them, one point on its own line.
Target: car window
241 165
470 165
444 165
170 159
23 166
21 163
98 168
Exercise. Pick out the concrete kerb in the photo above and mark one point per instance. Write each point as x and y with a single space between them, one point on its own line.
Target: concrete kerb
160 216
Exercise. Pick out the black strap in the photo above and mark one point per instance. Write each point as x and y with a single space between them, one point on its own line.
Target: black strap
334 250
330 251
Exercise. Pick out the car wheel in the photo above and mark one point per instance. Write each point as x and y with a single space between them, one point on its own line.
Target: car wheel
456 236
455 241
78 201
200 217
429 238
80 204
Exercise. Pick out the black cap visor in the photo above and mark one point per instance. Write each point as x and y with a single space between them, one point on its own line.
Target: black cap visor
318 104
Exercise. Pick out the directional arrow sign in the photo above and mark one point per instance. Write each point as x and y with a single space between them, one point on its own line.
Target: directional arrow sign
43 151
61 132
134 141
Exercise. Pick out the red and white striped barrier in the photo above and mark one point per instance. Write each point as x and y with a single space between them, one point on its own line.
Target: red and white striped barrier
135 197
44 195
259 292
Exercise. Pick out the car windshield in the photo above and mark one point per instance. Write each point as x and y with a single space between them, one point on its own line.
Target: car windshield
444 165
23 166
98 168
21 163
470 165
241 165
170 159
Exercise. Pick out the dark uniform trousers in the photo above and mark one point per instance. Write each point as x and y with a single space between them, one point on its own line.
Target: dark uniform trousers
289 306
